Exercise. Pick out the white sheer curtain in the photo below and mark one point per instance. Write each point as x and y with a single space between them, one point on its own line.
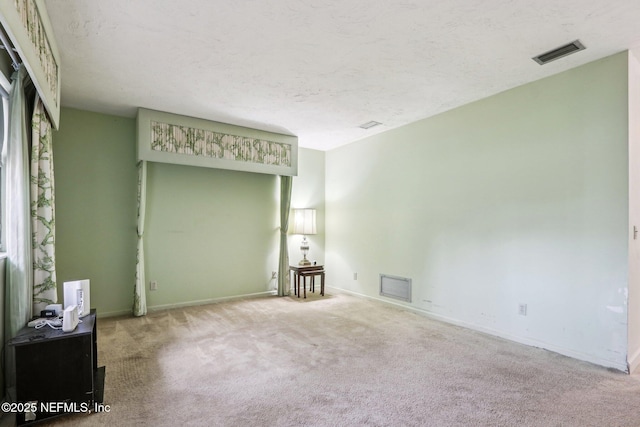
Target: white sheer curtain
19 283
139 296
42 210
285 207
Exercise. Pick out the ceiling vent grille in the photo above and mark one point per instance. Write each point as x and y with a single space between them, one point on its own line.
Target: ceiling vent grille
568 49
369 125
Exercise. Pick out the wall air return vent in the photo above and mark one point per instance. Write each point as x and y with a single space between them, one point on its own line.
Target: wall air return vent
395 287
568 49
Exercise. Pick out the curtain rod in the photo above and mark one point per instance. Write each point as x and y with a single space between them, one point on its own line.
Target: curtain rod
7 46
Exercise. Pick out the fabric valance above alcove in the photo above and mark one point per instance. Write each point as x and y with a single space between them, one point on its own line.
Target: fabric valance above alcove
171 138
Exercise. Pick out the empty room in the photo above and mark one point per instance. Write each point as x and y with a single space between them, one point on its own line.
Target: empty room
323 213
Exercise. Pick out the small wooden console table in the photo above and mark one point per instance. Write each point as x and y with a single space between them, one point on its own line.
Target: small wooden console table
304 271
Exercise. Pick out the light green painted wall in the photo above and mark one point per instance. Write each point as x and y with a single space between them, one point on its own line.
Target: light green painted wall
96 184
210 233
308 192
213 233
520 198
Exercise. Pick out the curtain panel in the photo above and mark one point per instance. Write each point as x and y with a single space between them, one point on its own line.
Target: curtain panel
19 271
18 231
139 296
42 210
285 207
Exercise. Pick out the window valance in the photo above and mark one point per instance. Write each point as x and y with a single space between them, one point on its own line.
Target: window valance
27 24
171 138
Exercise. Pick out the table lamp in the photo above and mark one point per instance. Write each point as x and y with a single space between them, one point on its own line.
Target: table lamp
304 222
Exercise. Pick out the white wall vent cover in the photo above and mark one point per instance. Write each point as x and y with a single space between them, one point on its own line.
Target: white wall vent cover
395 287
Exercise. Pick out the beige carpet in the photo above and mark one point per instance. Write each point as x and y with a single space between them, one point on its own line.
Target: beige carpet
340 361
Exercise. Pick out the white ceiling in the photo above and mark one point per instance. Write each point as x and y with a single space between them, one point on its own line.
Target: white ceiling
320 68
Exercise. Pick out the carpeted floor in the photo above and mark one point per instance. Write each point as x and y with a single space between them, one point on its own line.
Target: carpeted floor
339 361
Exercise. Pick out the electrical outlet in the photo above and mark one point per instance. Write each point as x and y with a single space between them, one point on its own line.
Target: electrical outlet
522 309
355 276
274 274
153 285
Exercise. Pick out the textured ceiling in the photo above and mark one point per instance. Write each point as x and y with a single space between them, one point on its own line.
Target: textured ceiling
318 69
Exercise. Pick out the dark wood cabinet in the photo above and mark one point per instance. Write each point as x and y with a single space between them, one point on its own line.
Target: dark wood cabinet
57 370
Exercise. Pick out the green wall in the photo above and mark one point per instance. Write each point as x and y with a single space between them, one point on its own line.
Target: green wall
96 185
210 233
308 192
520 198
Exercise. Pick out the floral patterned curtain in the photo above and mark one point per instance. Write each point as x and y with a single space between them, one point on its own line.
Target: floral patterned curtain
43 223
139 297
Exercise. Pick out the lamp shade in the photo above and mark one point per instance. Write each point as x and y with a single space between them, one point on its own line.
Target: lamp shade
304 221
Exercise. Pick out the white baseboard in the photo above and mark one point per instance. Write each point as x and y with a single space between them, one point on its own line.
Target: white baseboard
187 304
521 340
102 315
209 301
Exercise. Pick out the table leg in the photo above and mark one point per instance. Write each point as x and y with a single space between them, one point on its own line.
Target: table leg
322 284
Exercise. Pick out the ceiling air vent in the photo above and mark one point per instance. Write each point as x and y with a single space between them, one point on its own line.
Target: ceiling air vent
568 49
369 125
